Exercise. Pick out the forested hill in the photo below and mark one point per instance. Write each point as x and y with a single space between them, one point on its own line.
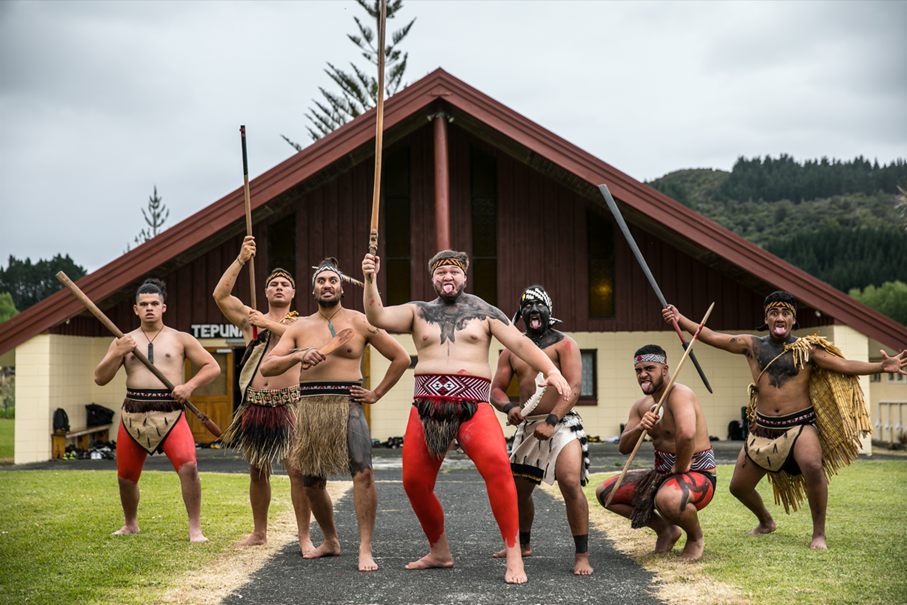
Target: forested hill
843 222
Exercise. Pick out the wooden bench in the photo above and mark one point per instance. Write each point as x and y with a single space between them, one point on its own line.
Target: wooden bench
82 437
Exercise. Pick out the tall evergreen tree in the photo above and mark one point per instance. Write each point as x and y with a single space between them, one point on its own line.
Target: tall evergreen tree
29 283
359 90
155 217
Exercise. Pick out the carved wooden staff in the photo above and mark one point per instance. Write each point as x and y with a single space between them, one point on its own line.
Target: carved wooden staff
645 269
379 136
655 408
245 176
203 418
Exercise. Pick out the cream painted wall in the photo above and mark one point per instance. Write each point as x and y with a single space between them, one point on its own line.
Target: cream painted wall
887 391
54 371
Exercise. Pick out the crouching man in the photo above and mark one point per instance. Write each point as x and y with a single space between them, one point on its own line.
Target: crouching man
683 480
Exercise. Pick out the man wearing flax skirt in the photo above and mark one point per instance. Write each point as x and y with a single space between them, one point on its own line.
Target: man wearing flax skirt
549 443
262 427
452 335
153 419
332 436
806 411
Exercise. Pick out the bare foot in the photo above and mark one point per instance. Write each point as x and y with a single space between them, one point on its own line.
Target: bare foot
514 572
325 550
525 550
197 537
692 550
305 545
126 529
431 561
818 542
667 540
764 528
366 562
582 567
253 540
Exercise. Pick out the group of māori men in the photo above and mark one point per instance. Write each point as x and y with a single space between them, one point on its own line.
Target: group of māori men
302 398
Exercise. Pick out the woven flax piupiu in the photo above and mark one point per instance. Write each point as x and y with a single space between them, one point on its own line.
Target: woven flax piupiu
841 418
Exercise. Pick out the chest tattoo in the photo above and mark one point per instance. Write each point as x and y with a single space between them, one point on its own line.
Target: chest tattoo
781 370
452 318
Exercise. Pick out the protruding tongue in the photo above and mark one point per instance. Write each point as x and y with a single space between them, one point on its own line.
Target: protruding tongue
645 385
448 288
535 323
779 329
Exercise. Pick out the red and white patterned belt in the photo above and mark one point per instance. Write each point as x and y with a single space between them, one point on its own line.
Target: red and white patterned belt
453 386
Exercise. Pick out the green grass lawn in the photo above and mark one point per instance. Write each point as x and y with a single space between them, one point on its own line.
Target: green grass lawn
7 438
56 547
866 528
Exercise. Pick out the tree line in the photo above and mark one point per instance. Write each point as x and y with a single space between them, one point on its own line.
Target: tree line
785 178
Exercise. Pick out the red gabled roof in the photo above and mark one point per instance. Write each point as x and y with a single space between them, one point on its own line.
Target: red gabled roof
658 210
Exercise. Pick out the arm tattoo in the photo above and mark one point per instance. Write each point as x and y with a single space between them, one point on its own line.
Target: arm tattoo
453 317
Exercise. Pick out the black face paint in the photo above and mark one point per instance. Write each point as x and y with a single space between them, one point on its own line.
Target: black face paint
453 317
536 315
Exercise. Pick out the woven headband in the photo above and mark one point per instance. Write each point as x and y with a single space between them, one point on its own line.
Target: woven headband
650 357
780 305
279 273
447 261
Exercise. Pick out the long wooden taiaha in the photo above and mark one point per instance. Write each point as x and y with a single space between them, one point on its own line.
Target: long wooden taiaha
93 308
379 137
245 176
655 408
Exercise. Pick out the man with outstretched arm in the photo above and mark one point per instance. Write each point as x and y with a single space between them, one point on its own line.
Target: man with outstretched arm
791 405
452 335
262 427
683 480
332 435
549 442
153 420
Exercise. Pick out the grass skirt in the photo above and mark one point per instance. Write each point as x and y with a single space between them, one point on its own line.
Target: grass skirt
321 428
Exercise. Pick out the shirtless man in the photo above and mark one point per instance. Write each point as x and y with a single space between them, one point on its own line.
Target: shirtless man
546 417
682 452
263 426
153 419
332 436
783 404
452 335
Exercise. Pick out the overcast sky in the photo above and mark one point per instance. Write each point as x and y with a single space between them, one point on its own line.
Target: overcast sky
100 102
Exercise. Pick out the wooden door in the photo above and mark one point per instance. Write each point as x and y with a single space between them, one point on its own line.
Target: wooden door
215 399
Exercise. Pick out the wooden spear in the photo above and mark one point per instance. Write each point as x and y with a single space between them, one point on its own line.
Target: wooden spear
77 292
245 175
379 136
657 406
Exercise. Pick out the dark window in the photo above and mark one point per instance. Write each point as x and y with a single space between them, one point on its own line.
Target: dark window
282 245
398 238
483 195
589 394
600 238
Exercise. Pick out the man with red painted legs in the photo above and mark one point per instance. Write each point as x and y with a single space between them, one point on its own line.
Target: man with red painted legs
452 335
683 480
153 419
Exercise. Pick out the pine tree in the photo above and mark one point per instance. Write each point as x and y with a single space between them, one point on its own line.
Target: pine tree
358 90
155 217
